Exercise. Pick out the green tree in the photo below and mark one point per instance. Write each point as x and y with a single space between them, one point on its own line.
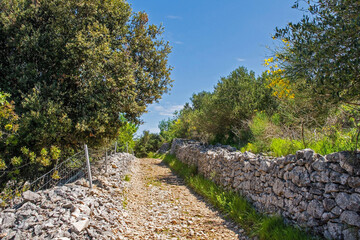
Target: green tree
222 115
321 55
236 98
72 66
126 134
8 129
148 142
323 50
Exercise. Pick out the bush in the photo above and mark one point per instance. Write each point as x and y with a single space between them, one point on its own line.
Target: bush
148 142
282 147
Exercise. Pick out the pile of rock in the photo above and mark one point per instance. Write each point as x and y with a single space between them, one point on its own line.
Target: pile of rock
318 192
73 211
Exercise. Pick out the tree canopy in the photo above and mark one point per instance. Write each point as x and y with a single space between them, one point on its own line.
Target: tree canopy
323 49
72 66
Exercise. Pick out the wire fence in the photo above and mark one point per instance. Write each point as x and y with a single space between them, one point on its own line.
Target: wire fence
68 171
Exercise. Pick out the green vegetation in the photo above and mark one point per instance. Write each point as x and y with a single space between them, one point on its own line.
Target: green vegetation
235 206
127 178
148 142
126 134
308 97
73 72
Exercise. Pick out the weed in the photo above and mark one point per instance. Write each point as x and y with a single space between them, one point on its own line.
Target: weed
127 178
125 202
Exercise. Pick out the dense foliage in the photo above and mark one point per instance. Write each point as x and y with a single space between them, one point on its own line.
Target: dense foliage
146 143
71 69
324 49
221 115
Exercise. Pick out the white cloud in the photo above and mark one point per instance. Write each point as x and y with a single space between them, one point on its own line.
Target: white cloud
168 110
173 17
240 59
178 42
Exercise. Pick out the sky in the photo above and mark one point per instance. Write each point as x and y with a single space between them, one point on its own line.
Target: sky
211 38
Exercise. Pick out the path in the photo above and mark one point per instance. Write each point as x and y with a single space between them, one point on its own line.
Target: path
160 206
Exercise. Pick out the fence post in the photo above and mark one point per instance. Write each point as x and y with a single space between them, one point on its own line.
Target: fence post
115 146
106 160
88 165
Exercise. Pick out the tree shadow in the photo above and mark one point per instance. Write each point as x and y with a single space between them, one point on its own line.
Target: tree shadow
176 180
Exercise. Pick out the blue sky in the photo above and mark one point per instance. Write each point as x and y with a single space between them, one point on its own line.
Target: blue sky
211 38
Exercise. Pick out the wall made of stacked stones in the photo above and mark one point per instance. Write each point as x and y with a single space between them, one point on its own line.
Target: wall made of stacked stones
317 192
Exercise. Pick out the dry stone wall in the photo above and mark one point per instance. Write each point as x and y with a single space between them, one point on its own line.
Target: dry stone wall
317 192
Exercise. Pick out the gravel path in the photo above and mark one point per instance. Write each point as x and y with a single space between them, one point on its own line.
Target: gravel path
160 206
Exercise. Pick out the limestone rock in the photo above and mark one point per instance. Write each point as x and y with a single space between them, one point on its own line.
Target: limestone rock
278 187
315 209
343 200
79 226
351 218
31 196
354 203
329 204
350 234
335 230
354 182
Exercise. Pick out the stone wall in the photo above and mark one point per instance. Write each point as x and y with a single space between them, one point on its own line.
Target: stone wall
318 192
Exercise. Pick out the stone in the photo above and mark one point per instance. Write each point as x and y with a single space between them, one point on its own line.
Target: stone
335 230
315 177
327 216
75 213
343 178
350 234
345 162
331 187
8 220
336 211
85 209
278 187
31 196
354 182
37 230
329 204
343 200
264 166
69 205
79 226
306 154
315 209
300 176
354 204
288 193
333 157
319 165
290 159
351 218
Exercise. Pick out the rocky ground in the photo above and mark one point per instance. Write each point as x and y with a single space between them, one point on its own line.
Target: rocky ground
135 199
160 206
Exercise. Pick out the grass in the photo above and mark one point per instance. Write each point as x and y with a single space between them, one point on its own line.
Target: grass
236 207
125 202
127 178
153 182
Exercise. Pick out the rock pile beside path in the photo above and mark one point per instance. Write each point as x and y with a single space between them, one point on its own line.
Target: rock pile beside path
73 211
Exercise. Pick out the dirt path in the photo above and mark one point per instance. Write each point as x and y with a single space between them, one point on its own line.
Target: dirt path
160 206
